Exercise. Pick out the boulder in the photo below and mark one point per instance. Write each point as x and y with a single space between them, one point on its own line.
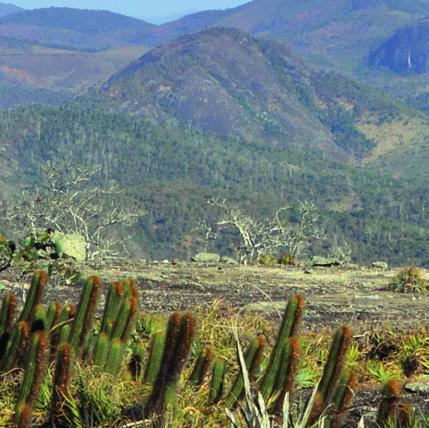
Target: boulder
324 262
380 265
206 258
228 261
70 245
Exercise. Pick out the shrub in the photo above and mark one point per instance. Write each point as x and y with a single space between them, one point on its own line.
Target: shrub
409 280
267 260
286 259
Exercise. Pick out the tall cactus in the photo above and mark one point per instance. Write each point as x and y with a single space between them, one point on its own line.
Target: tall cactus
39 319
61 383
84 316
394 411
34 373
35 295
289 327
202 366
53 315
332 371
180 333
113 305
135 366
16 345
252 360
155 358
114 359
218 380
7 313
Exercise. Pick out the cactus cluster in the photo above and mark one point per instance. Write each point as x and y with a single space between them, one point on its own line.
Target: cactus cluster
64 335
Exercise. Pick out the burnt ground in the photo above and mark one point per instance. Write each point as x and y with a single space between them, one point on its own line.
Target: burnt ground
334 296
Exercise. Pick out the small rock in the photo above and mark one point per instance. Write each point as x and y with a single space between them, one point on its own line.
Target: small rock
206 258
319 261
380 265
228 261
418 387
165 262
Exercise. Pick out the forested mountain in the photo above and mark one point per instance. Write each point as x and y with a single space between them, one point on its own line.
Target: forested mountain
87 30
229 83
174 170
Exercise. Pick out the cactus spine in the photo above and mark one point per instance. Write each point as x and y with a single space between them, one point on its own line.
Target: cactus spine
35 295
61 382
34 372
289 327
218 380
84 316
252 360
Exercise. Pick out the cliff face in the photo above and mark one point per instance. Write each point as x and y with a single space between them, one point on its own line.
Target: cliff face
406 51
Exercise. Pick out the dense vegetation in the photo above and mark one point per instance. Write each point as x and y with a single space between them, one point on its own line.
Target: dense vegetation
174 170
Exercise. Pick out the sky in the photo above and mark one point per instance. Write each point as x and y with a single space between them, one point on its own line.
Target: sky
137 8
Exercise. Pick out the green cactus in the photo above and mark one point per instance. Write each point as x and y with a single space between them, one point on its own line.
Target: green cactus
155 358
16 345
53 315
286 379
394 411
202 366
180 333
35 295
113 305
23 416
114 359
218 380
332 372
34 372
252 360
7 313
135 365
124 324
101 350
39 319
289 328
61 383
84 316
342 399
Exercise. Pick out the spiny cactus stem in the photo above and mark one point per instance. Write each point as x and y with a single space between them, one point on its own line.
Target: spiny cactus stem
35 295
7 313
218 378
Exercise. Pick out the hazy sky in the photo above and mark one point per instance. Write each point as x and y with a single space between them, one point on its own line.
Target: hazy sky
138 8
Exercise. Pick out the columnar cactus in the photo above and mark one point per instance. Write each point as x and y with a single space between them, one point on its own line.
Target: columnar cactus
114 359
332 371
252 360
155 358
61 382
202 366
34 373
35 295
84 316
16 346
342 398
218 380
394 411
135 365
7 313
289 327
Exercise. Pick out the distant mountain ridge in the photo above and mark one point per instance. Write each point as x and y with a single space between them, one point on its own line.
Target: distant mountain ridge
8 9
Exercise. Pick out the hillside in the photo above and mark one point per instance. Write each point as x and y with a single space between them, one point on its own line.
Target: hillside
229 83
8 9
406 51
87 30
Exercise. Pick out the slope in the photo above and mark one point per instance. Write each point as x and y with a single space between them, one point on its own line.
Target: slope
8 9
229 83
174 170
